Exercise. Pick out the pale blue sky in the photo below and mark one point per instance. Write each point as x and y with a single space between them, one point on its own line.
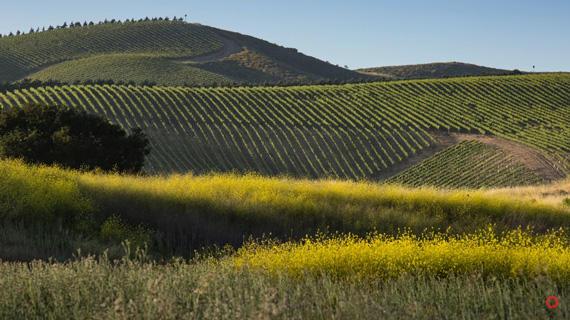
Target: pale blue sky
509 34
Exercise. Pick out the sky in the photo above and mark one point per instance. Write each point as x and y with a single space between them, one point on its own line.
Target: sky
507 34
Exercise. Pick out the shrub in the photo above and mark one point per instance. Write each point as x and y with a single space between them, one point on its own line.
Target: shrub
69 137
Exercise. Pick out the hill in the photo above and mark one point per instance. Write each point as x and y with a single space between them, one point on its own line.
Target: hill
433 71
25 54
349 131
108 49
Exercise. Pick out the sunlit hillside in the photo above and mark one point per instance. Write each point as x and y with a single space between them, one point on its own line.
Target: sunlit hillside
349 131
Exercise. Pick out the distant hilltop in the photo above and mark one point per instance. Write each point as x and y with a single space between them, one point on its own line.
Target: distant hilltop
162 51
434 71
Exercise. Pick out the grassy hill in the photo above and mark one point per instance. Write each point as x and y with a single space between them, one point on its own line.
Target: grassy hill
432 71
349 131
105 51
263 61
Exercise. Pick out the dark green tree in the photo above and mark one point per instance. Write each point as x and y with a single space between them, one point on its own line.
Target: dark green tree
70 138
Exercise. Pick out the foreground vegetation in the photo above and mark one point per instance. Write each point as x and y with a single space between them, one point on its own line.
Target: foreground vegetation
132 288
181 213
384 250
351 131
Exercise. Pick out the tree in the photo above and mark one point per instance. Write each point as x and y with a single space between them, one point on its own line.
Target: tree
71 138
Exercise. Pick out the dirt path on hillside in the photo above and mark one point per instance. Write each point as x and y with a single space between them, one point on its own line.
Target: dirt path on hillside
532 158
229 48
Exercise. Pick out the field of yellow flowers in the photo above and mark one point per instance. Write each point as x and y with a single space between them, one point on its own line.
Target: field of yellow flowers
514 253
316 248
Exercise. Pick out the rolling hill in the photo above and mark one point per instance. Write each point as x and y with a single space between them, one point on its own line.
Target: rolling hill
433 71
152 50
349 131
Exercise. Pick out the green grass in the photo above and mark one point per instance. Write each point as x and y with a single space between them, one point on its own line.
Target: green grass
50 212
469 164
179 214
130 67
95 288
352 131
21 55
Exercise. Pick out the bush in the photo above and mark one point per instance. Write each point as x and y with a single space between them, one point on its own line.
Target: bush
71 138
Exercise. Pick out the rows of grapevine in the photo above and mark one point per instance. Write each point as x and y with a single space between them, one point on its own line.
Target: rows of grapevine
130 67
469 164
348 131
21 54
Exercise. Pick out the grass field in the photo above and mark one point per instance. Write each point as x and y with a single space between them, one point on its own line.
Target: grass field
464 253
185 212
95 288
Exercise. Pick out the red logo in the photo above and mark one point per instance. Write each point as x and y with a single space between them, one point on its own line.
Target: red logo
552 306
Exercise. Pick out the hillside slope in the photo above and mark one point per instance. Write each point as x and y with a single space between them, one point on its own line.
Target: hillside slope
233 57
468 164
263 61
23 55
433 71
348 131
129 67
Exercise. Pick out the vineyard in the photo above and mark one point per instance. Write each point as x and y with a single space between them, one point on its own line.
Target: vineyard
129 67
165 52
351 131
469 164
21 55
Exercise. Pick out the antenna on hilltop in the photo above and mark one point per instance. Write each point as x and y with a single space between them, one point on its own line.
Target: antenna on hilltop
185 16
532 69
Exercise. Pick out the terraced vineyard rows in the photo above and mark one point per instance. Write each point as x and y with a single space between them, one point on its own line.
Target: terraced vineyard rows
348 131
469 164
130 67
21 54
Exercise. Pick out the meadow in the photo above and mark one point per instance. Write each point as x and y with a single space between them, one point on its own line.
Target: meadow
133 288
190 211
172 246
